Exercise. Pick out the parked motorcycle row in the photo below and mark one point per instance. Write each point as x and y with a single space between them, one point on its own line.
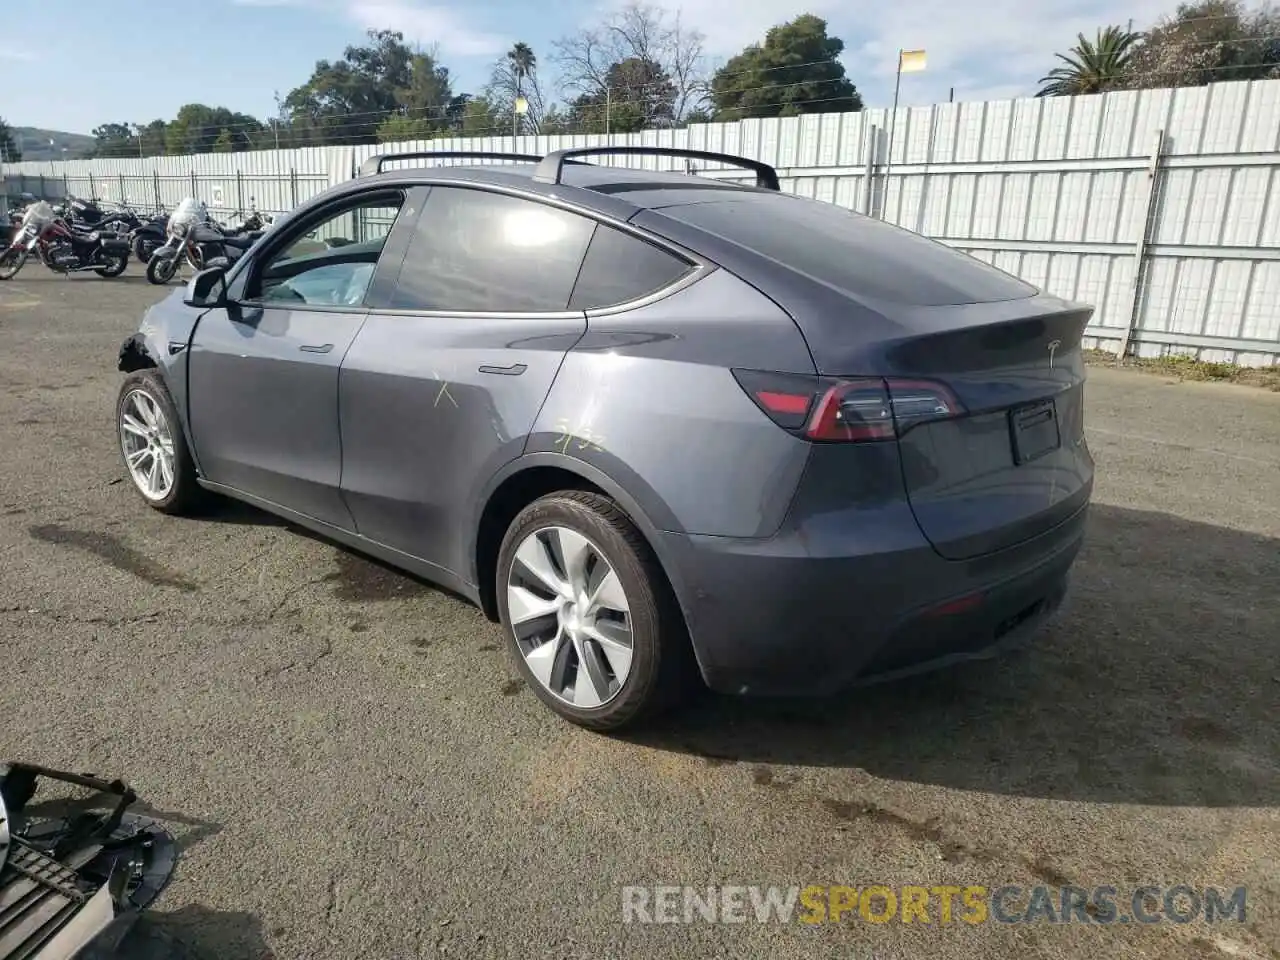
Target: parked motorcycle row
99 236
192 235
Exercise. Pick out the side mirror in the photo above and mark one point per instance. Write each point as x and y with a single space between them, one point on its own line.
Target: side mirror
208 288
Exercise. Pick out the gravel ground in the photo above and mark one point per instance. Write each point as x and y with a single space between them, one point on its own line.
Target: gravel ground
353 770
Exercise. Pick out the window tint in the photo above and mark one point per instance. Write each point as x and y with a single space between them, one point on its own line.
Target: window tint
332 263
620 267
475 251
857 254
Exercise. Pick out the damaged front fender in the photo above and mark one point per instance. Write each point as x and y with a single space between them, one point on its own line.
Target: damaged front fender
135 355
162 342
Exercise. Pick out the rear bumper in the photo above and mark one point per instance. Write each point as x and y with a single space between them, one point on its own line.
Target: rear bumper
804 614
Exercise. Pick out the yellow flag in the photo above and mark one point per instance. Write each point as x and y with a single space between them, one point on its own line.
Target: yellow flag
911 61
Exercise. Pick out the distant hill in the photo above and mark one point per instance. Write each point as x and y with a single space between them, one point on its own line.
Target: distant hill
34 144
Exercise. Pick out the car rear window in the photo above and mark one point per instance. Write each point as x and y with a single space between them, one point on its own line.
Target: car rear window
620 267
856 254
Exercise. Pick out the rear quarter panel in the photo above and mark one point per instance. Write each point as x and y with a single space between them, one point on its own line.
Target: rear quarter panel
648 398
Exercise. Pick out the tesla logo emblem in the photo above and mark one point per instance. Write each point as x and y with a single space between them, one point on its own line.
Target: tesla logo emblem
1053 348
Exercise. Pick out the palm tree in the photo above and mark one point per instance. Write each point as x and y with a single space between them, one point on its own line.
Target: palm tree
1091 66
523 63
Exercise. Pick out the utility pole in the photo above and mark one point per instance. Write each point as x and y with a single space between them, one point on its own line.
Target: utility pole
515 108
279 112
608 106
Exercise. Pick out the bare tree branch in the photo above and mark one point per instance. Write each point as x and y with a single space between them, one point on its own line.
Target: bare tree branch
506 83
641 31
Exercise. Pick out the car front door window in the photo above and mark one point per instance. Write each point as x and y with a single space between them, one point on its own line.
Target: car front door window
331 264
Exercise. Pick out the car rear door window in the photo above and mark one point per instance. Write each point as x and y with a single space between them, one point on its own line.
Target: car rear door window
620 267
857 254
476 251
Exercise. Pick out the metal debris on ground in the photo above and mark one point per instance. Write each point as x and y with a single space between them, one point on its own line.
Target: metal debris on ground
73 878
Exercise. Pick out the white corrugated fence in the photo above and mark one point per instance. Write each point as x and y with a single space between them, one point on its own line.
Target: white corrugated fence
1160 207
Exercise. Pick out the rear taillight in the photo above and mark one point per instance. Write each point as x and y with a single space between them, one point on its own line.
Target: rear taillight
831 410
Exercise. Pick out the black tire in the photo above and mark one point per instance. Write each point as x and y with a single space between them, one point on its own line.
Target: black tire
114 267
142 249
661 671
160 270
11 262
186 495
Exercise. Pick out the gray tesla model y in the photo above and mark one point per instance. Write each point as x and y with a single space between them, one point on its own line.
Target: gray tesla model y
660 426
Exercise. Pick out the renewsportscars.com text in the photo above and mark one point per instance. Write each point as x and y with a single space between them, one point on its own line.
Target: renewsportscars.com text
816 904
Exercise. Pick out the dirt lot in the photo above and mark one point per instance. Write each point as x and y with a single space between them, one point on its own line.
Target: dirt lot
354 771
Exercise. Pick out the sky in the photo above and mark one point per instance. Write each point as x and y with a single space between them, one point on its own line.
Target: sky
134 61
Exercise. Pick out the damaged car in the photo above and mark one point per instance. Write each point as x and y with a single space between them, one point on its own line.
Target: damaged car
662 427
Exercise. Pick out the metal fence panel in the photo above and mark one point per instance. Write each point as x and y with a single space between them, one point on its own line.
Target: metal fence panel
1178 252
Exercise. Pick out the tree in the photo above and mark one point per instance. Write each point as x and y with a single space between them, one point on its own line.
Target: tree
478 118
403 127
637 94
224 143
1207 41
1091 66
515 75
795 71
555 120
9 150
642 34
114 140
425 100
345 101
152 137
197 127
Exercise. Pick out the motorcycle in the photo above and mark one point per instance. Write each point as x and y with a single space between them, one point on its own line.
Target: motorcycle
31 223
101 215
193 236
163 262
63 248
149 236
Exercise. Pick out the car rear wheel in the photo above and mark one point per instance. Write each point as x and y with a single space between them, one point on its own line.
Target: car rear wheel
152 445
589 619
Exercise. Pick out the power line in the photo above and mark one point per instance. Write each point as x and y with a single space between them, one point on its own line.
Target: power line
276 125
442 111
321 131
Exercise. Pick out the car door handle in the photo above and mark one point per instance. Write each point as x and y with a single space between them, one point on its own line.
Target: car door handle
512 371
316 347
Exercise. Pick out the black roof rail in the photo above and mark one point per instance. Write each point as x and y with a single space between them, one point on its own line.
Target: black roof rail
373 165
552 165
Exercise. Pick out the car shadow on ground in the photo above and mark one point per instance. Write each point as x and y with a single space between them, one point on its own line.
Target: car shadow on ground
239 513
1158 683
194 932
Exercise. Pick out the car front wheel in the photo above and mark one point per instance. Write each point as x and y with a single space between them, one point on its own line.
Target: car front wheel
589 619
153 446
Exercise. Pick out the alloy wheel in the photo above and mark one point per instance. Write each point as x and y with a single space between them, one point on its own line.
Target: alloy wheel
147 442
570 616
